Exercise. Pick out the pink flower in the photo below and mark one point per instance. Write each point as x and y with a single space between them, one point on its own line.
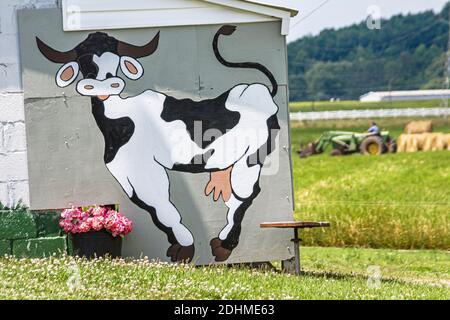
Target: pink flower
99 211
75 229
97 223
85 227
74 220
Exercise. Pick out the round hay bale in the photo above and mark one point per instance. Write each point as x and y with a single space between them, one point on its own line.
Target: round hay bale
419 127
439 143
446 140
422 140
402 142
429 142
434 142
411 144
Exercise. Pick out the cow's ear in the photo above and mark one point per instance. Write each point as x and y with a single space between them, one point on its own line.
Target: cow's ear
67 74
131 67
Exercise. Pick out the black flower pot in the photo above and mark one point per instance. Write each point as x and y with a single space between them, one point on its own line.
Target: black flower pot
96 244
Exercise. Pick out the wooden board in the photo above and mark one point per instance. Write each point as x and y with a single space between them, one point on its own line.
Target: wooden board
294 224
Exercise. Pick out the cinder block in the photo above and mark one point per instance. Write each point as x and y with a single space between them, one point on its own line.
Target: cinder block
2 145
11 45
10 80
12 105
41 4
4 194
7 20
8 12
47 223
15 137
14 166
5 247
17 225
40 247
19 191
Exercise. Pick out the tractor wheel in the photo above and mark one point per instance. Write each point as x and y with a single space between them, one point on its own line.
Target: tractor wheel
372 145
392 147
336 152
309 150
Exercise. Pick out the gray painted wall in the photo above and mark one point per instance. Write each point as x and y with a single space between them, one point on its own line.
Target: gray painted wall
65 147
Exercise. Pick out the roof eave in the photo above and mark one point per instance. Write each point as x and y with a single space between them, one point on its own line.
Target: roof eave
284 14
293 10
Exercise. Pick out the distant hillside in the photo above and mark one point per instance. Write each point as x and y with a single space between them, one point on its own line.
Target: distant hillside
408 52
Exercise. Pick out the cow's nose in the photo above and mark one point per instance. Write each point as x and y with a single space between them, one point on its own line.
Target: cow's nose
115 85
88 87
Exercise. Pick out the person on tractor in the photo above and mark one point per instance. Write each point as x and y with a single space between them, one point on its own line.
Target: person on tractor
374 128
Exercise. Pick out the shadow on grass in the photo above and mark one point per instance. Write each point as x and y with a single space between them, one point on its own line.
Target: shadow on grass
334 275
321 274
358 276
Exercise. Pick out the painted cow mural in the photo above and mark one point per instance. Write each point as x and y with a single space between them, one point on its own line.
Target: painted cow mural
150 133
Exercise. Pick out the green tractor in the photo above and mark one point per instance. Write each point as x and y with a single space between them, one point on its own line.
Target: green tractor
344 142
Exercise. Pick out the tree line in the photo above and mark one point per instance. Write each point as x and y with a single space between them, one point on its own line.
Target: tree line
408 52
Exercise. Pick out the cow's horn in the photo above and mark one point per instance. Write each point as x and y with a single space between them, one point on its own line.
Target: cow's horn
54 55
126 49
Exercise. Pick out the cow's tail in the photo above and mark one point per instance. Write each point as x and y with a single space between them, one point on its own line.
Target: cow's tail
227 30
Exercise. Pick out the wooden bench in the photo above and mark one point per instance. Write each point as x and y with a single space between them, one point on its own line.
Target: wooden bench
296 225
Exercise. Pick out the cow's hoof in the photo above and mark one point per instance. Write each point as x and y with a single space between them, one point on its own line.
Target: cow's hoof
220 253
179 253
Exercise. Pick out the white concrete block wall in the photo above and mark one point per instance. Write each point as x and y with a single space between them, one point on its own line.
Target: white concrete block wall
13 153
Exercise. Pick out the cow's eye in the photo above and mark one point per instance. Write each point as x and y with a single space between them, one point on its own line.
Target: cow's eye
109 75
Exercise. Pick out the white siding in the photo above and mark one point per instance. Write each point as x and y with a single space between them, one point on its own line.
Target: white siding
117 14
292 5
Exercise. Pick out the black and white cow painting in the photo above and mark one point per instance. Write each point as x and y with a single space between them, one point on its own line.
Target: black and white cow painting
147 134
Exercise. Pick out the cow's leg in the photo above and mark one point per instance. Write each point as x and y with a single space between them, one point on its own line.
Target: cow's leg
151 192
245 187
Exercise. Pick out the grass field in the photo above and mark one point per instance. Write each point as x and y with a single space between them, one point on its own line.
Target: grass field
350 105
390 201
330 274
417 266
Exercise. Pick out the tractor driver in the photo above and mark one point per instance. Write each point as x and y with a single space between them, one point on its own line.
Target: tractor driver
374 128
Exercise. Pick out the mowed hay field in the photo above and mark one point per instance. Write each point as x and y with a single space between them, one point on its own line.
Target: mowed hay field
305 106
391 201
